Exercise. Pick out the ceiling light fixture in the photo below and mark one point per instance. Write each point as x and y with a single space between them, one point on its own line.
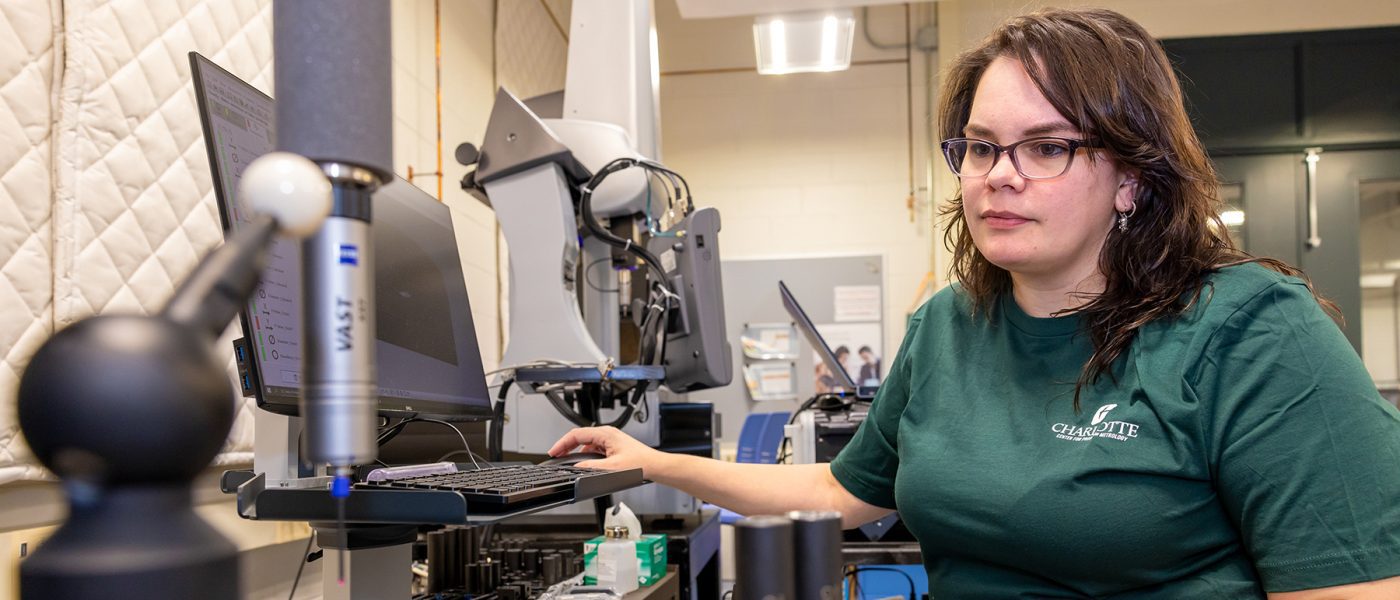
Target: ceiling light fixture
804 42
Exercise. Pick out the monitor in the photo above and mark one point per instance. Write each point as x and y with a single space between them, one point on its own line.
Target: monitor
814 337
697 354
428 361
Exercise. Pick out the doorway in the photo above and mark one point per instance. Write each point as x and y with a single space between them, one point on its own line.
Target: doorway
1336 215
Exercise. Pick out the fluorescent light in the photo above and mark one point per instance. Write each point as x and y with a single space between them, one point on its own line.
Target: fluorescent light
1232 218
829 41
1383 281
778 43
804 42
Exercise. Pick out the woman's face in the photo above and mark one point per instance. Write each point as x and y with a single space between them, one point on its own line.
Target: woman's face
1043 228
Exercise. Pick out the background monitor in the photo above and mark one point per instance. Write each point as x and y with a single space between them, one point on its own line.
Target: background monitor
809 331
698 356
429 364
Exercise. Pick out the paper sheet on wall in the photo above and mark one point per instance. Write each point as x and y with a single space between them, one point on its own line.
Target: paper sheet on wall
857 303
769 341
770 381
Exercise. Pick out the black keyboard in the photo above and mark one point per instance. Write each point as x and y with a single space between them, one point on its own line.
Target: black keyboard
506 488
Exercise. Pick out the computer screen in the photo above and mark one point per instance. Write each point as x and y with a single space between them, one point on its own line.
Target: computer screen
698 356
809 330
428 360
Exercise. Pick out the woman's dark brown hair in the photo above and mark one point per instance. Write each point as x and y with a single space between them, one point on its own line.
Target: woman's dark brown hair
1110 79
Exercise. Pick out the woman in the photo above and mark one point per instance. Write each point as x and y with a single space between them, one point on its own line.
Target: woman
1114 401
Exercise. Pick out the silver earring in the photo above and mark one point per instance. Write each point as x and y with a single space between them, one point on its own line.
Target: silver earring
1123 219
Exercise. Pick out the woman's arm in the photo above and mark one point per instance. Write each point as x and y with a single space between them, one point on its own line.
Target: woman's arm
747 489
1385 589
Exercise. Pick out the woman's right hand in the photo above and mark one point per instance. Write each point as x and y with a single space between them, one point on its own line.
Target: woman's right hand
622 450
749 489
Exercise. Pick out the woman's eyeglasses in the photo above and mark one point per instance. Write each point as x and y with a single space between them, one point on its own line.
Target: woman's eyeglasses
1034 158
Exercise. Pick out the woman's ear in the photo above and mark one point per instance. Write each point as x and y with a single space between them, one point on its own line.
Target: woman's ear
1125 199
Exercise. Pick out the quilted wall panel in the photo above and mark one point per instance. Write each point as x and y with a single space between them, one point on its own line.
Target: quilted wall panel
133 206
29 62
123 200
532 48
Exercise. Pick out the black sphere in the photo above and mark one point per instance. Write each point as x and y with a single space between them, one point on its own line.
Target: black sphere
126 400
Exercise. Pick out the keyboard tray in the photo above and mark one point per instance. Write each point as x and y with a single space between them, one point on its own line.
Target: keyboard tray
496 489
309 499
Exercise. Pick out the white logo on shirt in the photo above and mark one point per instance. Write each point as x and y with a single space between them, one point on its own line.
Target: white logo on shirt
1103 412
1097 428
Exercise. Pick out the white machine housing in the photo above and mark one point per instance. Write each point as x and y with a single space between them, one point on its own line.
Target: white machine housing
610 111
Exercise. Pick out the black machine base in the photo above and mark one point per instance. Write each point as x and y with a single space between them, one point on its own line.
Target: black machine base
132 543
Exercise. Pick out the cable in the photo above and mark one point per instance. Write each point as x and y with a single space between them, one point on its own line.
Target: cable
639 400
460 435
495 436
562 405
642 329
665 333
456 452
392 432
662 280
646 332
589 280
305 558
595 228
653 325
913 589
690 201
653 225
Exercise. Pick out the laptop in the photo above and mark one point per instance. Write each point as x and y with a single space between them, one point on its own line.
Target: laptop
429 364
814 337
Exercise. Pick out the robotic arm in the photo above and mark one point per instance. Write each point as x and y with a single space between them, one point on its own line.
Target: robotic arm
560 187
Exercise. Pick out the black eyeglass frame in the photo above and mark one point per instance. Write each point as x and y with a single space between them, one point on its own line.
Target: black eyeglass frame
1010 151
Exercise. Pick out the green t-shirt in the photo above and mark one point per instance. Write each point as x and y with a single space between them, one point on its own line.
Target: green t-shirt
1243 448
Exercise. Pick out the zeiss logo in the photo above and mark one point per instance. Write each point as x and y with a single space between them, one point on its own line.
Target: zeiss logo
349 255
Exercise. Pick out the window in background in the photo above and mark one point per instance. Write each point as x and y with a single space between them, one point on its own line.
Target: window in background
1380 268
